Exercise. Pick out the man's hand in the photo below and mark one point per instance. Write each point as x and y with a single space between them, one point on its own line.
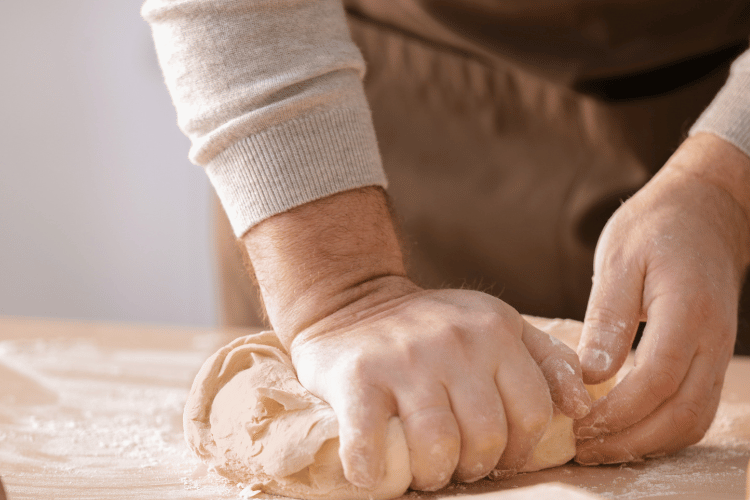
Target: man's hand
472 382
453 365
673 255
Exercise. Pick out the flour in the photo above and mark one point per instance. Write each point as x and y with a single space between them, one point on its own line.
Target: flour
731 426
99 417
91 421
602 361
682 474
715 464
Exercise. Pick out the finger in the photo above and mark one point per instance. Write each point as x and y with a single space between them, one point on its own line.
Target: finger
561 369
432 435
363 415
527 403
613 312
680 422
662 362
479 412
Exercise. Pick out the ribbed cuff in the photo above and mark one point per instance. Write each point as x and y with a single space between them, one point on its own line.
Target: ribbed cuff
728 115
299 161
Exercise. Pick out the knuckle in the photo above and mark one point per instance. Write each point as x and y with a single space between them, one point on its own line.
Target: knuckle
356 442
673 355
685 417
663 383
494 442
701 429
442 334
605 321
453 336
437 419
705 309
360 367
535 422
460 341
490 322
444 447
484 431
491 441
695 435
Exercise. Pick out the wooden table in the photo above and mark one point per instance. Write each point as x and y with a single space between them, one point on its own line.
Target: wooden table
93 411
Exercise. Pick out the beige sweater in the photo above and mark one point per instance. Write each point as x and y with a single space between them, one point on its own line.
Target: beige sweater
270 94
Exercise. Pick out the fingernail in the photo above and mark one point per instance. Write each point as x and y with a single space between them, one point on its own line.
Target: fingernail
595 360
363 481
361 476
581 411
588 457
470 476
584 406
588 432
500 475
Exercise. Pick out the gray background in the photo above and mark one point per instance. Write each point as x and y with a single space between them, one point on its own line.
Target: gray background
102 216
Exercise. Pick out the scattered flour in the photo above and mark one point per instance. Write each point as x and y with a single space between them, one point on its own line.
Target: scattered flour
98 422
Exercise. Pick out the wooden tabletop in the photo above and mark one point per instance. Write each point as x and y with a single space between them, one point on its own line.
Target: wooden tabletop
94 411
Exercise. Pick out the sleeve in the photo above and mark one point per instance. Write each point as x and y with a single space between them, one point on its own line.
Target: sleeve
728 115
270 94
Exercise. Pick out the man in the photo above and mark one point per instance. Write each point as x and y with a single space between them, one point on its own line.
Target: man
474 101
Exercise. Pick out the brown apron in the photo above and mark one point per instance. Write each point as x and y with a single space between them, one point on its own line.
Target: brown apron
510 131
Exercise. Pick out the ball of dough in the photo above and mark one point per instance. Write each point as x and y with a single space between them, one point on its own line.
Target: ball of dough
249 418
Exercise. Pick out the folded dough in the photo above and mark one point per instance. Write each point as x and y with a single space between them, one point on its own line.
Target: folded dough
249 418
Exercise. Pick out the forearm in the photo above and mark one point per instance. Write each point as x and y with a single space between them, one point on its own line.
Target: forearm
319 257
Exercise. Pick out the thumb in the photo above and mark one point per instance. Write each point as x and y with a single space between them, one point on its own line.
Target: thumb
611 322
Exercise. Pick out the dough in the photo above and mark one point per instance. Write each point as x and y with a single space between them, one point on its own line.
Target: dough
558 445
249 418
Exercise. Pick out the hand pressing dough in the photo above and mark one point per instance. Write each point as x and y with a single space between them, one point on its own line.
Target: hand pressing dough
249 418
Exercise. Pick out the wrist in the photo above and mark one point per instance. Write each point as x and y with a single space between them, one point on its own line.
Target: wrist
721 163
718 164
322 256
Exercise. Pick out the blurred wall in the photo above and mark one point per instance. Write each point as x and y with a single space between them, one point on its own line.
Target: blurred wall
101 215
